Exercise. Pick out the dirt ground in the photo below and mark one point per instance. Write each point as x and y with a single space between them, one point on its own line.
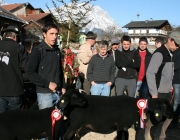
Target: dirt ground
171 134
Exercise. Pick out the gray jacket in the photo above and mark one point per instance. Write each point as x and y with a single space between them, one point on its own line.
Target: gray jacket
160 72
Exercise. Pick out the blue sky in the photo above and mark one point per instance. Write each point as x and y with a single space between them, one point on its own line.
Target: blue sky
125 11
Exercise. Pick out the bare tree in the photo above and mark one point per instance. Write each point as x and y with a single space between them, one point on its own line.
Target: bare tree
176 28
76 12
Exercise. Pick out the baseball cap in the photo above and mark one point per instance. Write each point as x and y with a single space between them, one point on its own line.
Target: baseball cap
176 36
11 29
114 40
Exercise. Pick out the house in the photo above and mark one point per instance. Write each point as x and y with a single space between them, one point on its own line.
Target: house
35 17
7 18
149 28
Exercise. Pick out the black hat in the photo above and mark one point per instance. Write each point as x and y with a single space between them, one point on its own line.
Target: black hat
11 29
90 35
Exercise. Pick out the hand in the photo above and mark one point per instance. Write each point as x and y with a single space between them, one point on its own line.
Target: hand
63 90
52 86
171 90
109 83
93 83
154 96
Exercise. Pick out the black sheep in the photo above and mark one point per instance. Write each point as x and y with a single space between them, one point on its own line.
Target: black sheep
28 124
108 114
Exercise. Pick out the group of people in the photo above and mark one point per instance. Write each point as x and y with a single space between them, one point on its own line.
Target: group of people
134 72
122 69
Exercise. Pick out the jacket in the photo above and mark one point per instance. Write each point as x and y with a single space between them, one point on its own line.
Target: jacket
160 71
83 55
101 70
126 63
176 60
44 66
147 60
13 57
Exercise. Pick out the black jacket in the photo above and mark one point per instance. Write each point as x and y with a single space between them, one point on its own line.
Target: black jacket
176 59
147 60
126 65
13 57
44 66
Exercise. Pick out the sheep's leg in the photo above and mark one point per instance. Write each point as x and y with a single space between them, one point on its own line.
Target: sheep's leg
69 134
123 134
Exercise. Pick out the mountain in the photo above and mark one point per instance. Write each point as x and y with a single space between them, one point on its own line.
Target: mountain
101 21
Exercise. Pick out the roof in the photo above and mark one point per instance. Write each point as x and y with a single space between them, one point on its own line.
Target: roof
11 7
34 17
146 24
6 14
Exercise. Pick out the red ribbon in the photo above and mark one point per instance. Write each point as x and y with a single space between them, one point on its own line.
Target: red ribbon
141 104
55 116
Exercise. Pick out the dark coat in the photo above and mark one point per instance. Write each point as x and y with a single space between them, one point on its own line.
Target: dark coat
28 124
44 66
107 114
176 59
125 59
11 79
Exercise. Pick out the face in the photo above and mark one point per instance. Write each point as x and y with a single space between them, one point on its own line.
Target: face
103 51
115 46
93 41
126 45
171 45
51 36
157 44
142 45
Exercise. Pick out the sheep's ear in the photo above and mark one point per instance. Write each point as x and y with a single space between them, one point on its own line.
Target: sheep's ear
64 101
158 115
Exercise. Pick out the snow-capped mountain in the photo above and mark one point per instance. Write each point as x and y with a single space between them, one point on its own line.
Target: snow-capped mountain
101 21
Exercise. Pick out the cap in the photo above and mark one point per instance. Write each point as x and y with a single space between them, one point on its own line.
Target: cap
176 36
90 35
114 40
11 29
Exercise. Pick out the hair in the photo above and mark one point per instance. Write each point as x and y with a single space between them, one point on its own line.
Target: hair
49 26
9 34
160 40
125 38
143 39
103 44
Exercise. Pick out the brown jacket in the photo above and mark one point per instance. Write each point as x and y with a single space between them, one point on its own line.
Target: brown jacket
83 55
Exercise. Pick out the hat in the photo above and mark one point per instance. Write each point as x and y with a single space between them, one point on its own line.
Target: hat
176 36
90 35
114 40
11 29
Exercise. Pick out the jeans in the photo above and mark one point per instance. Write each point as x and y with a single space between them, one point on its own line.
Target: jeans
46 100
11 102
142 87
176 104
100 89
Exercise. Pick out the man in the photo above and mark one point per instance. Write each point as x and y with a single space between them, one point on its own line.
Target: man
13 57
114 46
44 68
101 71
176 87
159 42
145 57
127 64
159 78
84 55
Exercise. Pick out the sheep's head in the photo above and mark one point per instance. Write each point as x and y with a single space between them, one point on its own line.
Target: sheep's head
72 97
161 109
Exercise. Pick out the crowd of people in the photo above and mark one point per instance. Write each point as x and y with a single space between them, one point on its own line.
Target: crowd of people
120 70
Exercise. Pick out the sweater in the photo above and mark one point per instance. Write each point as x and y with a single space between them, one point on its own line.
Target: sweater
101 70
